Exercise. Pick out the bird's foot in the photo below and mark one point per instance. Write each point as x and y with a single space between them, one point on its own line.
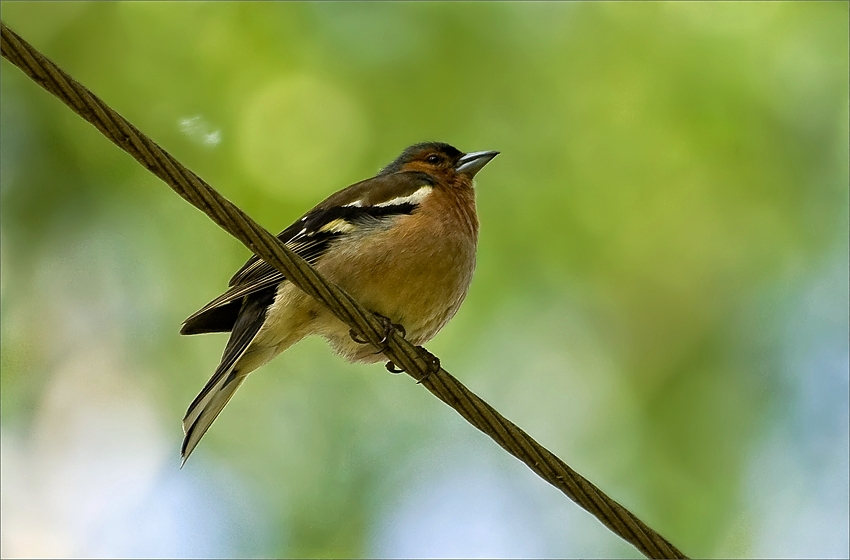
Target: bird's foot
388 327
432 361
392 369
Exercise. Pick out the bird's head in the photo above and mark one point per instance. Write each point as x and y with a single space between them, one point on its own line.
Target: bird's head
440 160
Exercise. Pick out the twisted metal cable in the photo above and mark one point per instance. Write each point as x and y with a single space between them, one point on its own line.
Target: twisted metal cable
401 352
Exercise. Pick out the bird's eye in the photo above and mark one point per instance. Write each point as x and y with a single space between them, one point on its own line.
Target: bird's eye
433 158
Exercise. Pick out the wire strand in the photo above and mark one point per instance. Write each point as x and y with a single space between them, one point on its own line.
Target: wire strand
265 245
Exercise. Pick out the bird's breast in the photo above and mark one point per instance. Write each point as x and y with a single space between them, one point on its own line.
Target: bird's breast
414 273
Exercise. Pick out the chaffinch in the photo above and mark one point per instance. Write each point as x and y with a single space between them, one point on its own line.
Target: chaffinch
402 243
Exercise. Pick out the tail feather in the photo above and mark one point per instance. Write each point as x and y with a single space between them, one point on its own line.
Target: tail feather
206 409
230 372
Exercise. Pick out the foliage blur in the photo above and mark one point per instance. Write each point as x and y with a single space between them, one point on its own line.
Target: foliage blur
661 295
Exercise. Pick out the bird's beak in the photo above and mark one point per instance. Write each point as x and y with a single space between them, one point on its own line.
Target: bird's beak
471 163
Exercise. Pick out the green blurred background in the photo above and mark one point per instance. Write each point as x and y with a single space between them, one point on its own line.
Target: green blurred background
661 295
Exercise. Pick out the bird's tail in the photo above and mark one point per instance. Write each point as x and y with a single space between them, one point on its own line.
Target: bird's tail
206 408
237 361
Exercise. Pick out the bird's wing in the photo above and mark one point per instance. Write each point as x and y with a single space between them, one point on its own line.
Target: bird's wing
373 200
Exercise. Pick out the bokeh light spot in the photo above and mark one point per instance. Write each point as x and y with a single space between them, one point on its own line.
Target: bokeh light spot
300 137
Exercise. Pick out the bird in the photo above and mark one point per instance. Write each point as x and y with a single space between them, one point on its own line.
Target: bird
402 243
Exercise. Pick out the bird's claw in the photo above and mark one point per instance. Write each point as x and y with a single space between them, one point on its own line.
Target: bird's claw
388 327
432 361
353 334
392 369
